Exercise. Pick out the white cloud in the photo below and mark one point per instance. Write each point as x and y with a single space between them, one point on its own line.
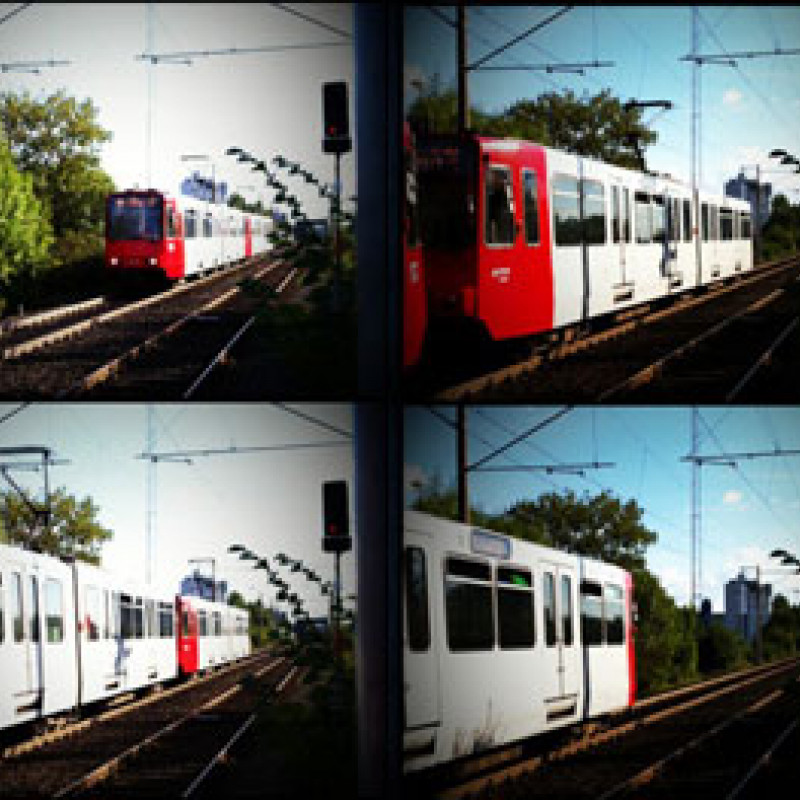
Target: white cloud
732 497
731 97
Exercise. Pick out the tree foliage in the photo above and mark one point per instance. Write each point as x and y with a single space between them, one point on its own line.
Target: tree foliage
781 635
595 125
56 141
781 233
73 529
720 649
25 233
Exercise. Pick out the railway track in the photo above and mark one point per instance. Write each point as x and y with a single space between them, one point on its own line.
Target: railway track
77 358
696 348
152 745
642 750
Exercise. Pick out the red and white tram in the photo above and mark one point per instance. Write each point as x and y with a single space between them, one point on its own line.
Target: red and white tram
523 238
147 230
504 639
73 634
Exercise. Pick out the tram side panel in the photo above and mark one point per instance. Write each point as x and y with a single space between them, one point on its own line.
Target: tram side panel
37 642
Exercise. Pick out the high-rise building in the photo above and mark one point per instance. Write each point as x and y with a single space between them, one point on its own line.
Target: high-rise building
746 189
742 598
198 585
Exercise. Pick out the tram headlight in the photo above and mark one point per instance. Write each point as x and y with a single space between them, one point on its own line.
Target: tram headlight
114 262
153 262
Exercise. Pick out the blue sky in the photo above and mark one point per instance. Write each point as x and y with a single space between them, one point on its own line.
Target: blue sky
267 103
746 111
270 501
746 512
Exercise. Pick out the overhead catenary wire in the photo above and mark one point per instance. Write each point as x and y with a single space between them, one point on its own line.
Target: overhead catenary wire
312 20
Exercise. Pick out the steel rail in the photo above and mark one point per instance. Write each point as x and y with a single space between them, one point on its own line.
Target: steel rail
106 769
51 314
657 767
79 327
651 371
222 754
29 745
763 359
110 368
595 738
634 320
223 354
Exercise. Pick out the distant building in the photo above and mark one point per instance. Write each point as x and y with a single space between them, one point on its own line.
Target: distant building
709 617
198 585
746 189
740 605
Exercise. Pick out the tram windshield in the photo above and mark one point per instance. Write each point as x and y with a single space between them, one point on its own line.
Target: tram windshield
135 217
446 195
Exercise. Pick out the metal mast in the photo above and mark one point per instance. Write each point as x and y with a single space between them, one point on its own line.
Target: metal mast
151 494
149 133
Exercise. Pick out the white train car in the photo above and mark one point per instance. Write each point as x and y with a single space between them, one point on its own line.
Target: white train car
127 634
222 634
504 639
38 667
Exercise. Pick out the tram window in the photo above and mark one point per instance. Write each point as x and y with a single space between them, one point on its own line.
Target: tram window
207 232
626 215
217 618
172 223
566 210
165 620
116 614
594 212
149 619
417 615
499 206
687 221
591 613
614 619
468 605
106 615
644 218
138 619
202 624
726 224
673 220
185 623
16 606
714 223
658 218
704 220
744 226
191 224
549 601
566 609
33 607
92 600
515 608
615 220
531 206
53 611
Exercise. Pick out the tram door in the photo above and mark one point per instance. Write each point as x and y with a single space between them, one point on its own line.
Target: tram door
420 662
561 670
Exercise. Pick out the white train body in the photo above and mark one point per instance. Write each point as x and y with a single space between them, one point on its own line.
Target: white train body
74 634
504 639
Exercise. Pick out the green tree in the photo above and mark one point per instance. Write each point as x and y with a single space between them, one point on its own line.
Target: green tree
781 232
73 529
56 140
235 599
601 527
596 125
781 634
666 649
25 234
720 649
